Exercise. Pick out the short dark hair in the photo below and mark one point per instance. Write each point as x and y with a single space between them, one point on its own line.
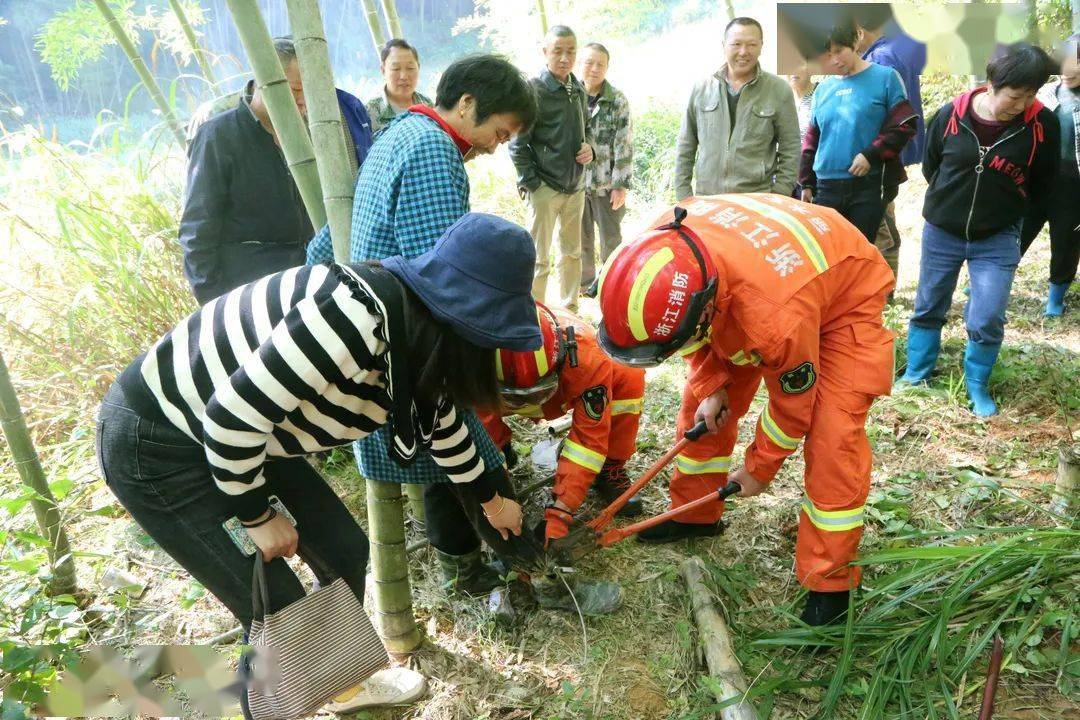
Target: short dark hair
844 33
597 46
871 16
285 49
560 31
384 52
748 21
497 85
1020 65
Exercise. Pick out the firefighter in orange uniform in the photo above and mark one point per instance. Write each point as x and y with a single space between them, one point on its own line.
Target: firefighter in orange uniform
754 287
571 372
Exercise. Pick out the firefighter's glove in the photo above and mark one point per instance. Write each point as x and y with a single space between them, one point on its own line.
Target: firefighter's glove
557 523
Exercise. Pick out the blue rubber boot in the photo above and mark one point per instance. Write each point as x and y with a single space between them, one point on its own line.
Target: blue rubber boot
979 360
923 347
1055 300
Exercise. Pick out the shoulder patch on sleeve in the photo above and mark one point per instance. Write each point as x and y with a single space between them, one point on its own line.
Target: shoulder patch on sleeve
798 380
595 400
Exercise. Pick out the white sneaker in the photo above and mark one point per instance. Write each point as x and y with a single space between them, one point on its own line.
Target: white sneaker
390 686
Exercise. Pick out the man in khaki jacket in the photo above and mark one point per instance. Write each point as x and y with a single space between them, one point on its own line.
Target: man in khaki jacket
740 133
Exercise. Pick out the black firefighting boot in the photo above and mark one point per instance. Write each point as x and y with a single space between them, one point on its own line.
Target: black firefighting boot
825 608
671 531
569 593
467 574
611 482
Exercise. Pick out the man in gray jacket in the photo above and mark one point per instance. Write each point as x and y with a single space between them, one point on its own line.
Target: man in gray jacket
740 133
550 160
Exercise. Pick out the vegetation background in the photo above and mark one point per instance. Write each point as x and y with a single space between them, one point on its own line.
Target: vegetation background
962 540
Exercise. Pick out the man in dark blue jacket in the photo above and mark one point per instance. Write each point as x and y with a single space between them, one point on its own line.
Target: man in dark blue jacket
882 41
243 217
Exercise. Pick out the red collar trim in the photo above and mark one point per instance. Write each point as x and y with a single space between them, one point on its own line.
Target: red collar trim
463 145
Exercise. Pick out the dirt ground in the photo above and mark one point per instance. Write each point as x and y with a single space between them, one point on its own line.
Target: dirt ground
643 661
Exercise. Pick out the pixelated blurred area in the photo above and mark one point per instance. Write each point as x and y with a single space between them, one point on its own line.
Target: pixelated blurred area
959 37
151 680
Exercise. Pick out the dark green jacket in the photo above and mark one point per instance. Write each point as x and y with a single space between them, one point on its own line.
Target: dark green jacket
546 153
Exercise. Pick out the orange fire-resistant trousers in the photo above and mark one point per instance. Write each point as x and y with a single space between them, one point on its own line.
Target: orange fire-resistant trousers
836 451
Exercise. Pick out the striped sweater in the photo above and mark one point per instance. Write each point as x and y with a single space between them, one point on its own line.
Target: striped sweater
291 364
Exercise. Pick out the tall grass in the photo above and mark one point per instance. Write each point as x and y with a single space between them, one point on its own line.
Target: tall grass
91 270
919 634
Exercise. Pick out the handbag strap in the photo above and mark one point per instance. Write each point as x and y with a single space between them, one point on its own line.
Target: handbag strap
260 592
260 589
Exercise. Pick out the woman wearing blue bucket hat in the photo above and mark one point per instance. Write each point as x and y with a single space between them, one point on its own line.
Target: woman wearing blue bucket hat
203 437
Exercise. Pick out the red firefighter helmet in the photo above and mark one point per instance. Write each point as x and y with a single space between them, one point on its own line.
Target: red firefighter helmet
656 294
531 377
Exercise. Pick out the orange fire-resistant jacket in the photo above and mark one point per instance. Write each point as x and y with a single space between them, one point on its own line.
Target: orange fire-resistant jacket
606 399
788 274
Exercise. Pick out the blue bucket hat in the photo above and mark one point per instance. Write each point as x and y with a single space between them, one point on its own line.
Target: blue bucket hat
478 279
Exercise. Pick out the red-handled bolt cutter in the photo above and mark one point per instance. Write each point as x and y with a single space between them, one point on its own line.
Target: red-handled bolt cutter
584 537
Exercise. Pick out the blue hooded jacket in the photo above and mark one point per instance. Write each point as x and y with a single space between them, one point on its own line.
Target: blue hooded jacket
898 50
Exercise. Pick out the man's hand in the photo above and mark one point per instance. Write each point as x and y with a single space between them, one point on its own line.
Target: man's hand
504 515
713 410
557 523
618 198
807 195
584 155
859 166
277 538
750 485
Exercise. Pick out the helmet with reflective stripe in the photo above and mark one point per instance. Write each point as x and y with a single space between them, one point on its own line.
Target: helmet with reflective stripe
656 294
531 377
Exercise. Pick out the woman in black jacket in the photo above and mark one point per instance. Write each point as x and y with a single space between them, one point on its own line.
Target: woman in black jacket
988 153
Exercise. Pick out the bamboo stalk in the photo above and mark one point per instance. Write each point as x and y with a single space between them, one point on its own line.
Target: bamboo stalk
371 15
284 115
543 17
390 568
393 24
137 62
196 47
27 462
1068 479
415 493
324 120
723 665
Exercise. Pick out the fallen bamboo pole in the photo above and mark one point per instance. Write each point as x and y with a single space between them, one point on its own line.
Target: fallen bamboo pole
716 640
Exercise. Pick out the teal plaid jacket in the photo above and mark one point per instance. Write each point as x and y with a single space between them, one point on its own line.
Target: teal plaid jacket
411 189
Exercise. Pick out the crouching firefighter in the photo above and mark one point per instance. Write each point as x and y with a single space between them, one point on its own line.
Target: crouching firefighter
753 287
572 373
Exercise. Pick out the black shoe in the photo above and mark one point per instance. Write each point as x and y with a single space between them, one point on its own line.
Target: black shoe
591 290
611 482
825 608
671 531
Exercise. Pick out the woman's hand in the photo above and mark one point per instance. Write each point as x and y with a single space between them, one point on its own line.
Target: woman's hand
277 538
807 195
504 515
750 485
713 410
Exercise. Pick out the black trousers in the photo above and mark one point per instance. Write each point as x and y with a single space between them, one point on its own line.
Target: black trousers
162 478
859 200
456 525
1062 211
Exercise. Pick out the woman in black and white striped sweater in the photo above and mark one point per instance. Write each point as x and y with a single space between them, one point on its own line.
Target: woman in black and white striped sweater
213 420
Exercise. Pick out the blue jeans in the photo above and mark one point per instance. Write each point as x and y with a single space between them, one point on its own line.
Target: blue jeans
991 263
161 477
858 199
